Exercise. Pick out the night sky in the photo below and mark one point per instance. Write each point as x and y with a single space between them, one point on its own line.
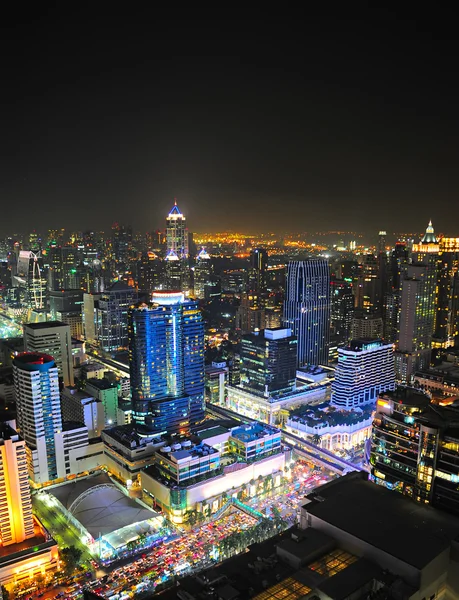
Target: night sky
303 125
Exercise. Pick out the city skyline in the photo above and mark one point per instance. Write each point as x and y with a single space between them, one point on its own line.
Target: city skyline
268 122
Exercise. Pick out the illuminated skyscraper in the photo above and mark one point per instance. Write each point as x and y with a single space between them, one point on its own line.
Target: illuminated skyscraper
166 352
63 262
16 520
177 251
36 385
417 308
202 273
268 362
111 316
307 309
177 233
258 272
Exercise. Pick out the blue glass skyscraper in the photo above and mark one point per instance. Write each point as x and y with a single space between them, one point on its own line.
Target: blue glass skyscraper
307 309
166 351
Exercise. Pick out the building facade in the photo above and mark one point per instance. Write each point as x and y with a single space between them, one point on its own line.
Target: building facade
365 369
53 338
307 309
268 362
166 352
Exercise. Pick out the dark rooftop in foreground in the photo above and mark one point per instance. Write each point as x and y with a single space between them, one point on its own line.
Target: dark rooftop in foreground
391 522
46 325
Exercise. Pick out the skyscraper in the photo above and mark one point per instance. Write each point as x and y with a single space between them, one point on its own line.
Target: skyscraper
63 273
177 233
417 308
166 351
16 520
307 309
177 251
36 385
268 362
53 338
365 369
258 267
202 273
111 316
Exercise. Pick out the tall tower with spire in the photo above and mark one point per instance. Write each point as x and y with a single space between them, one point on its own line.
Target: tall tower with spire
177 251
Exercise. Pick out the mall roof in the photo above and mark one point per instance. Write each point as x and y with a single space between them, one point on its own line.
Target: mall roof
413 533
102 510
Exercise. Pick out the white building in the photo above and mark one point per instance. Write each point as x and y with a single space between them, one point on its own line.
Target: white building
365 369
53 338
39 412
84 408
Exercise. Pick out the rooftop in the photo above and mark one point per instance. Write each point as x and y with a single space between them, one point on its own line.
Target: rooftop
204 434
45 325
325 414
407 396
254 431
413 533
101 384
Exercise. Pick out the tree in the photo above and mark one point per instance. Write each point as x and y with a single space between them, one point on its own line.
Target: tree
71 556
316 438
4 593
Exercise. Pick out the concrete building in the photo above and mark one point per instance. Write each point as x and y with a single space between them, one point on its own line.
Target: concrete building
52 338
16 519
365 369
107 393
82 407
415 544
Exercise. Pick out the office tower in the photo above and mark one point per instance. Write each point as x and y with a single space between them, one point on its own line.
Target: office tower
258 267
121 242
382 242
53 338
149 272
177 233
365 369
34 242
307 309
447 269
341 308
111 316
166 355
391 309
177 251
36 384
234 280
454 317
66 306
268 362
63 263
366 325
202 274
369 290
417 308
415 448
16 520
250 316
89 317
28 276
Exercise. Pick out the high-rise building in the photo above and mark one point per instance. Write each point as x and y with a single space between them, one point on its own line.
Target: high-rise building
341 309
202 274
29 277
177 251
63 262
53 338
177 233
365 369
417 308
415 448
366 325
36 384
268 362
258 267
111 316
307 309
166 352
250 316
447 269
149 272
121 242
16 520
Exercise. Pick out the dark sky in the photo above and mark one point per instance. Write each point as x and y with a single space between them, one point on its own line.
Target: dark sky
321 123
